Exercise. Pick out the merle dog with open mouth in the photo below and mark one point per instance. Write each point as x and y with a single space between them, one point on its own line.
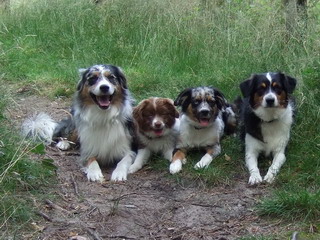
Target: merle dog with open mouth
100 120
205 117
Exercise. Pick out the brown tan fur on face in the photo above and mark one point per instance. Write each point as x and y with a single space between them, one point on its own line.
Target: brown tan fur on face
166 110
282 97
86 99
258 99
117 99
141 120
191 113
145 112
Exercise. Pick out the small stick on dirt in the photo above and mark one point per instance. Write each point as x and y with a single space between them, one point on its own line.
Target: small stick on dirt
55 206
92 210
72 154
204 205
75 185
119 236
92 233
45 216
122 197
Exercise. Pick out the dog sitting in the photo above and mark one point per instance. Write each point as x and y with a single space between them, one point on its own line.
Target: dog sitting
267 112
101 120
205 114
157 126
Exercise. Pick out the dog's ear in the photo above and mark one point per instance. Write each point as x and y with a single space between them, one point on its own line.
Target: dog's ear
137 111
246 86
288 82
120 76
184 98
220 99
171 102
83 78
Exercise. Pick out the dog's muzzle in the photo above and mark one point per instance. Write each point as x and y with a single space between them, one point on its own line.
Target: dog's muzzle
103 101
204 117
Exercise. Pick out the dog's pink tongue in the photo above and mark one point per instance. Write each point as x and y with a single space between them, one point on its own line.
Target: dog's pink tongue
104 101
158 132
204 122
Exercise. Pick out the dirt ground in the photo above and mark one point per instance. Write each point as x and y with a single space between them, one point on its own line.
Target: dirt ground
150 205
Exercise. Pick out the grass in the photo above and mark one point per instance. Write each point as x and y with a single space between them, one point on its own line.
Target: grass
166 46
23 182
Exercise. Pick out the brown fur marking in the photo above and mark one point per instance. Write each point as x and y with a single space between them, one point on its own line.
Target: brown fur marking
91 160
179 155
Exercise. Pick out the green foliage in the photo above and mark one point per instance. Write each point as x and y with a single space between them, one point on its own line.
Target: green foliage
297 204
22 180
156 42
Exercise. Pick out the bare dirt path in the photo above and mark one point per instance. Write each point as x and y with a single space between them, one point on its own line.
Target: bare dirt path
150 205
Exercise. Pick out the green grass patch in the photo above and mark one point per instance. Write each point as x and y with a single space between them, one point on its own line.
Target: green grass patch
298 204
24 182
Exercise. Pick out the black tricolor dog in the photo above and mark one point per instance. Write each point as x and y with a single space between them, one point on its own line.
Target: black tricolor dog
267 112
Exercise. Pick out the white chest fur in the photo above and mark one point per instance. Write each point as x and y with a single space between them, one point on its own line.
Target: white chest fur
191 137
165 142
276 133
103 134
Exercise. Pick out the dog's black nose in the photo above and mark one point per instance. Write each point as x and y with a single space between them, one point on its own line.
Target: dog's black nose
104 88
270 102
204 113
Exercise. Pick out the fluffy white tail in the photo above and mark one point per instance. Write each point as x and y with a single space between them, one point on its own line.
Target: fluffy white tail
39 127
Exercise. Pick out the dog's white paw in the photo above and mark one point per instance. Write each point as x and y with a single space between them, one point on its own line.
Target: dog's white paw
255 178
94 173
199 165
269 178
134 167
119 175
204 162
175 166
63 145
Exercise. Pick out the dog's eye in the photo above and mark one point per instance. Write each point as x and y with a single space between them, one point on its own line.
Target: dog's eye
211 102
261 90
92 80
277 89
148 116
196 102
112 78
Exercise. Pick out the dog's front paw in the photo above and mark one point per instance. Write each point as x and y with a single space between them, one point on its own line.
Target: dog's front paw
255 178
119 175
94 173
204 162
175 166
269 178
134 167
63 145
